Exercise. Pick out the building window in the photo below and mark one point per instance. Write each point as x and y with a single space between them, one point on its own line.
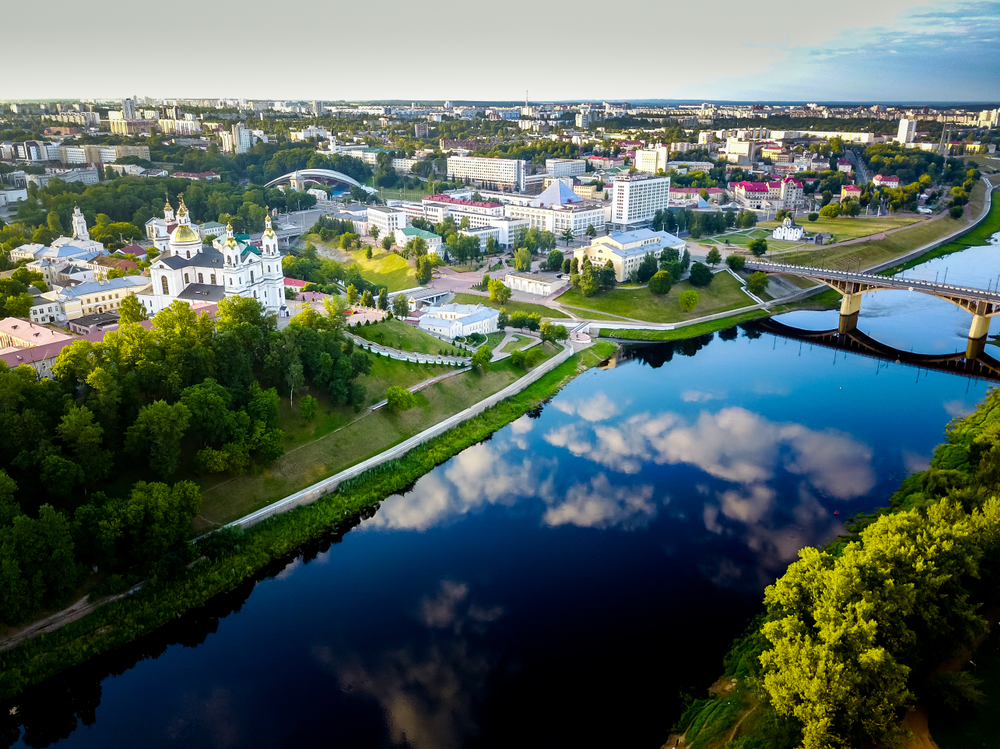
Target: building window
186 279
201 278
251 276
166 289
212 277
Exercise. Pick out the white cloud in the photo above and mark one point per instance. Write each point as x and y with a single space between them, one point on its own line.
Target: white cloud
478 476
600 505
597 407
700 396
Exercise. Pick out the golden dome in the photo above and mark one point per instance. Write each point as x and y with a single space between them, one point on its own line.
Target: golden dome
184 234
269 232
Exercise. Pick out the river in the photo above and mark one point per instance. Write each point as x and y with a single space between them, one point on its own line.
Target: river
560 583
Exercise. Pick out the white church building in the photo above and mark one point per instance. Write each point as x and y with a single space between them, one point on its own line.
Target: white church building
789 231
189 272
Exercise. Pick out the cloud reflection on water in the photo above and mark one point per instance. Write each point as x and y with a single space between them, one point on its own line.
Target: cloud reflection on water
428 692
750 465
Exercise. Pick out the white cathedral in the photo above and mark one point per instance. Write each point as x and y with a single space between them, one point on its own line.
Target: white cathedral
188 271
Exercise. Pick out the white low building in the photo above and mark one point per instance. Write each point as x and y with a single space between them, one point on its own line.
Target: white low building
459 320
788 231
530 283
626 250
402 236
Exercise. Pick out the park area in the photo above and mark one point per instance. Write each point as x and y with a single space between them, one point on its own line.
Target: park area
724 293
338 437
847 228
383 269
400 335
510 306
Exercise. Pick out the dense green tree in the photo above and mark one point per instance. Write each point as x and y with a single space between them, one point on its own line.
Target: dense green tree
688 300
131 310
37 565
647 268
308 407
157 434
660 283
552 332
400 307
400 399
701 275
714 257
757 283
522 259
481 359
757 247
499 291
736 262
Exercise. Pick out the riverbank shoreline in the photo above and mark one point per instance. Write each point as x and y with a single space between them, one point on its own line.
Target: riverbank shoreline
116 621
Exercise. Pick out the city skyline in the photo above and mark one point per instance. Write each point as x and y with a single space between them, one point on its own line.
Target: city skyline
926 51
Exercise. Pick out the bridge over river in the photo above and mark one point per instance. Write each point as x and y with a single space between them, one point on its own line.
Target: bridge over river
982 304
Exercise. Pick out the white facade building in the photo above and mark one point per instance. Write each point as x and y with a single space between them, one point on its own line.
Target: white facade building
486 172
530 283
565 167
387 219
626 250
789 231
557 209
454 320
907 131
188 272
635 199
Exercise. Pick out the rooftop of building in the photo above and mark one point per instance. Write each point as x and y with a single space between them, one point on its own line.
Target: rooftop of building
441 198
412 231
31 333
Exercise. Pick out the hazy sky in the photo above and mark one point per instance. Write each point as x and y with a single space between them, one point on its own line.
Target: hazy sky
850 50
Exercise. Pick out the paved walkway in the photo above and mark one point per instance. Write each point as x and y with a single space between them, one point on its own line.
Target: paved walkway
395 353
327 485
421 385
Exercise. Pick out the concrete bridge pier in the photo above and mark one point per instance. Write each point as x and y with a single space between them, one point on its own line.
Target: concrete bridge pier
978 331
850 306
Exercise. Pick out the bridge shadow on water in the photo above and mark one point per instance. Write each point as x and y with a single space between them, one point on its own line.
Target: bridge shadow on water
980 366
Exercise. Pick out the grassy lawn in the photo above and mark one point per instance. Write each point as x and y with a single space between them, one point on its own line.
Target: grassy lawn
394 193
802 283
640 304
510 306
519 340
493 340
370 434
867 254
398 335
384 269
688 331
849 228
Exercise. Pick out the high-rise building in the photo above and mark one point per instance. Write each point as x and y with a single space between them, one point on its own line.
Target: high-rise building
128 109
907 129
635 199
240 139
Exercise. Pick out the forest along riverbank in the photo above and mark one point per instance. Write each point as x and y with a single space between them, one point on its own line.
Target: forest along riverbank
224 559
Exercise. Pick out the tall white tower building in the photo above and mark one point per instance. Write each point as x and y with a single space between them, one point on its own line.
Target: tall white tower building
80 225
907 130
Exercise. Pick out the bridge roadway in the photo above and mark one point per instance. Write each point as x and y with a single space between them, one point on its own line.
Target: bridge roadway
982 304
875 281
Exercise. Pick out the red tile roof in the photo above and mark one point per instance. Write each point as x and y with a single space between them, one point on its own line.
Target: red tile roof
458 201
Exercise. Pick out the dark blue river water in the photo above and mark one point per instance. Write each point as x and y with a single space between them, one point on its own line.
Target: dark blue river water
562 582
